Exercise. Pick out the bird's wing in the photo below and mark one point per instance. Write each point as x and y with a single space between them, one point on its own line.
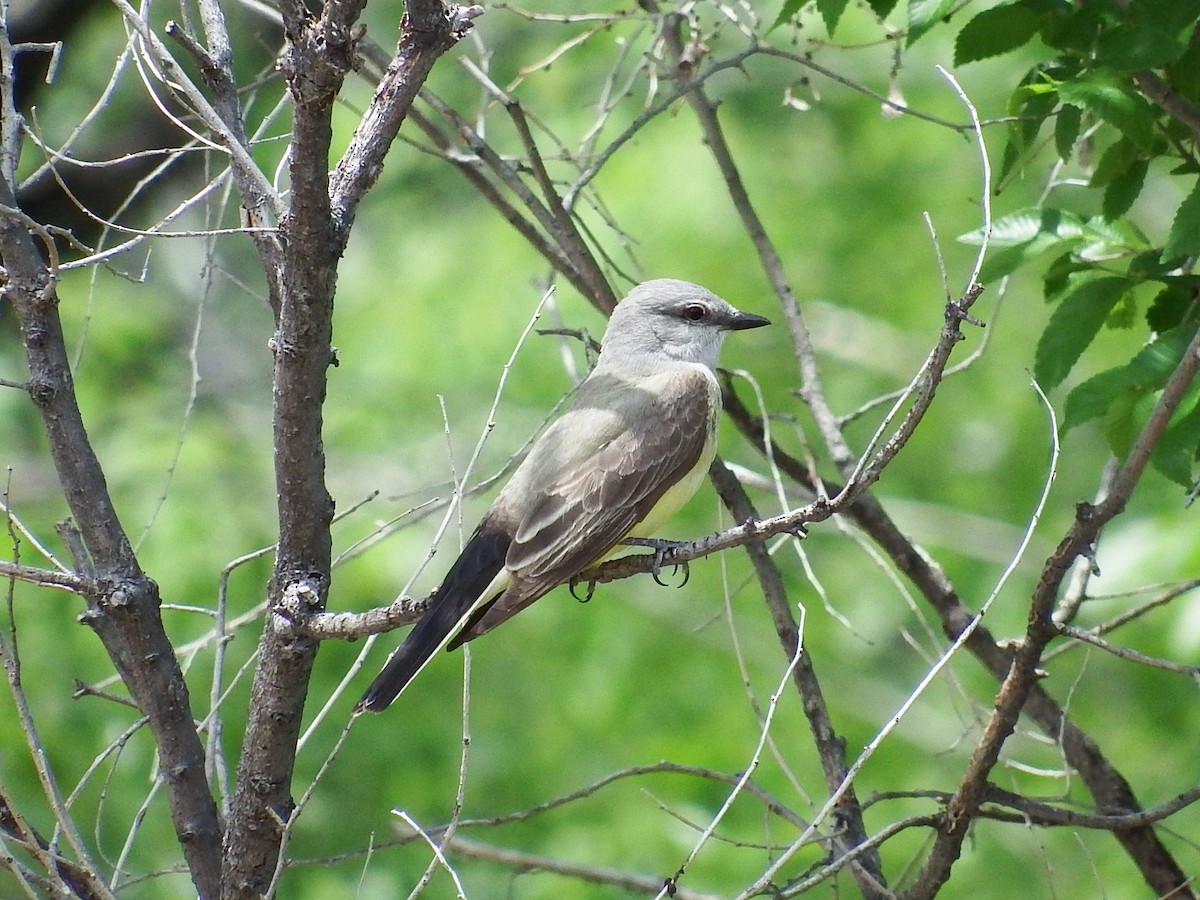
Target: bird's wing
587 506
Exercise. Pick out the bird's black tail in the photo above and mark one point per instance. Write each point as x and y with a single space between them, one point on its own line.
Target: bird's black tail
457 600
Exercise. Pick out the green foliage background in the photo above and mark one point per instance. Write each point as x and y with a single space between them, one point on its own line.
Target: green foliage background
433 293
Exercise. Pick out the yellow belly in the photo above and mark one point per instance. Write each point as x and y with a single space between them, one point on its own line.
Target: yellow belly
678 494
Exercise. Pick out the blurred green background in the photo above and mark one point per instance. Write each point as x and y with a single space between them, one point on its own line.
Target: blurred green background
434 292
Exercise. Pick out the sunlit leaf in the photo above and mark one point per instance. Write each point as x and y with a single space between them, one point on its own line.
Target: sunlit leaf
924 14
1026 224
1108 97
1102 239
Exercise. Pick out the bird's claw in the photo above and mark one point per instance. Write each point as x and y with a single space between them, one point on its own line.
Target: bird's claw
591 589
687 572
661 548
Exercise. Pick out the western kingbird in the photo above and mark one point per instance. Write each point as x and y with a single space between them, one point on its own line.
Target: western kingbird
629 451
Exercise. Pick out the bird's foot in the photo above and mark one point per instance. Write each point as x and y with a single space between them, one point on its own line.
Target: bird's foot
575 582
661 548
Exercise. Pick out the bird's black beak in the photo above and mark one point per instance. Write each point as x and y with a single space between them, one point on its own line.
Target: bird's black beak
740 321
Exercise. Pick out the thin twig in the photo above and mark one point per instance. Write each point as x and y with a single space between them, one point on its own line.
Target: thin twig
1126 653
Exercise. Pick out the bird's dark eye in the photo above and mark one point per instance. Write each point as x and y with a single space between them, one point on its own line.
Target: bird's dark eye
694 312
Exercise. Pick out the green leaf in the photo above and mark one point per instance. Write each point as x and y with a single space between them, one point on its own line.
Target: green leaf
1146 373
1032 104
1155 362
999 30
789 10
1026 224
1108 97
1073 326
1124 314
1168 307
924 14
1114 161
1103 240
1170 14
1029 105
1006 261
1150 35
881 7
1123 421
1075 32
1143 46
831 11
1184 75
1175 455
1092 399
1022 235
1066 130
1124 189
1148 266
1059 272
1184 236
1008 162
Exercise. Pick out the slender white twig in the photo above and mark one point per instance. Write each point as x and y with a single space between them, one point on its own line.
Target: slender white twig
867 457
763 733
294 815
464 756
437 853
739 656
1052 470
64 822
103 104
193 355
985 168
382 530
139 236
188 91
15 520
114 748
134 827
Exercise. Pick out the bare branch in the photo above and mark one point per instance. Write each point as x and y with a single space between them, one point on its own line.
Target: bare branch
124 611
597 875
1161 93
320 52
1014 693
67 875
428 30
1126 653
67 581
867 868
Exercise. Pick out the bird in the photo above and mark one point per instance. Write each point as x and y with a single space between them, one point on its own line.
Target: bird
631 449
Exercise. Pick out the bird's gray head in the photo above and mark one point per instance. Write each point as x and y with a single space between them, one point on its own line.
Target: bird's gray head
675 319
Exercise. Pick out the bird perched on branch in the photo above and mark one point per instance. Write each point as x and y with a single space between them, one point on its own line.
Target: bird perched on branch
632 448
